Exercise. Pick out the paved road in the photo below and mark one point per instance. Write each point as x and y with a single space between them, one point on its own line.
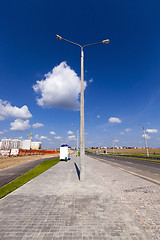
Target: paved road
149 170
9 174
109 205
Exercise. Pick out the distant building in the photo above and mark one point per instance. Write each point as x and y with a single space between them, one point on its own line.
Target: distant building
25 144
8 144
36 145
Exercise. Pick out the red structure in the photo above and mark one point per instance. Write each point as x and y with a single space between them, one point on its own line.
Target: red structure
23 152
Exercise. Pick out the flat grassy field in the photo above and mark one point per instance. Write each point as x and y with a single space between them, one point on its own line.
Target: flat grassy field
138 151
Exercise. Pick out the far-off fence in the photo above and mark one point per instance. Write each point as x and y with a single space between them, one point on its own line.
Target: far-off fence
23 152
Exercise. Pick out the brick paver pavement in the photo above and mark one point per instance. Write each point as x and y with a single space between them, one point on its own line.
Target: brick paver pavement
56 205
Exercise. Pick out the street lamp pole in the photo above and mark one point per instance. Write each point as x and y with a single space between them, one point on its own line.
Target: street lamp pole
144 133
77 141
82 133
77 137
145 139
113 145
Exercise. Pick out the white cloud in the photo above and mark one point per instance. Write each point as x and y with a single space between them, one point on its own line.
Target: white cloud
37 136
91 80
52 133
58 137
114 120
152 130
122 133
146 135
98 116
128 130
6 111
1 132
44 137
116 140
69 132
60 88
37 125
20 125
72 138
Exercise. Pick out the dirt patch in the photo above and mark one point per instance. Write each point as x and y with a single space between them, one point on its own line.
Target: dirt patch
6 162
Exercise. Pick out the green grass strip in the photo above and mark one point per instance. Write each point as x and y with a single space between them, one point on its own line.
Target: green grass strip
132 157
137 155
18 182
145 159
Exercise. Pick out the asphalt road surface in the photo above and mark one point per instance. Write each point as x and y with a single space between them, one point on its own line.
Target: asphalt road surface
9 174
149 170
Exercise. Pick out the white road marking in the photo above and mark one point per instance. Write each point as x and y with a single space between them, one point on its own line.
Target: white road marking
136 174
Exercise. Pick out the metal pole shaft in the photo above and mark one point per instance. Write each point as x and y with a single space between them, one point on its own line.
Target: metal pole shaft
77 141
145 141
113 146
82 144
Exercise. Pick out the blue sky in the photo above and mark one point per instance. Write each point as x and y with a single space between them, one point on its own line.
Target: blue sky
40 75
